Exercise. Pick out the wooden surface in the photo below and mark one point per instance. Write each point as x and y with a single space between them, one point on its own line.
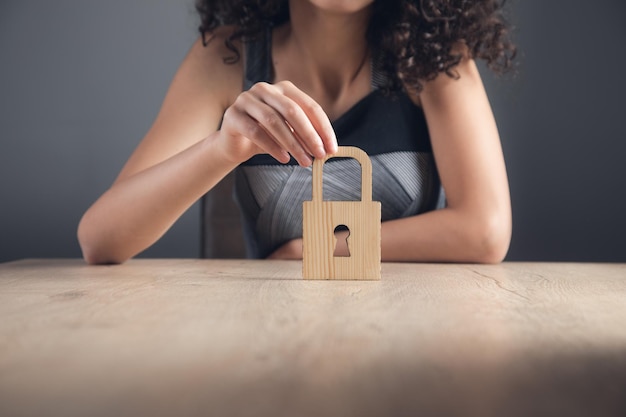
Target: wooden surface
251 338
362 218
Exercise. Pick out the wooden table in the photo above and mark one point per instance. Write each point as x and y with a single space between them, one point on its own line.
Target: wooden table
251 338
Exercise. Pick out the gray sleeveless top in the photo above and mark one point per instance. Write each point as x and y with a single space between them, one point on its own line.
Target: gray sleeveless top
389 127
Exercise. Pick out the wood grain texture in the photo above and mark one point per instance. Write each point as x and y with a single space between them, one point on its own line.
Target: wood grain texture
251 338
363 219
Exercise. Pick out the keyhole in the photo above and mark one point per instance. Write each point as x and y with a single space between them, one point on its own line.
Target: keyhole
341 241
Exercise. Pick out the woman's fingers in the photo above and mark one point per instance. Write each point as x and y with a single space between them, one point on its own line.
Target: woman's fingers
239 121
315 114
293 117
268 112
280 120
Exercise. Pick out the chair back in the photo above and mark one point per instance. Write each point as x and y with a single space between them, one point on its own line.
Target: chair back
222 233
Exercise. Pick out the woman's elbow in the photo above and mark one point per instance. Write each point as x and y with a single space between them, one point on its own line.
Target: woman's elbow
95 257
491 239
93 250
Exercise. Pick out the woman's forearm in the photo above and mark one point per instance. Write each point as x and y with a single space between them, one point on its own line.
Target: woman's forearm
448 235
137 210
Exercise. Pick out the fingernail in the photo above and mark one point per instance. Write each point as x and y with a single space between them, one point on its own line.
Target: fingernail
306 161
334 144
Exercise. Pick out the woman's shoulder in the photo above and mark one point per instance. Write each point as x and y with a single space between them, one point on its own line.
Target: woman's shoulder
212 63
220 44
203 87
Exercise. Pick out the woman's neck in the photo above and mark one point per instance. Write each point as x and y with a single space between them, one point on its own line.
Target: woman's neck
331 46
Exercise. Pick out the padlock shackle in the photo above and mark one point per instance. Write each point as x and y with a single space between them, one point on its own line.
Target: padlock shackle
344 152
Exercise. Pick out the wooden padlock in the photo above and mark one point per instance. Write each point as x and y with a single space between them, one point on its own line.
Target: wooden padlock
362 218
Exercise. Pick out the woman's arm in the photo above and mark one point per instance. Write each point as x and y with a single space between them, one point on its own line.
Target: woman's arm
476 224
183 155
170 169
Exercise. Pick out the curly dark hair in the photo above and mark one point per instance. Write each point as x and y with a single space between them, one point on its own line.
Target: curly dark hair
415 40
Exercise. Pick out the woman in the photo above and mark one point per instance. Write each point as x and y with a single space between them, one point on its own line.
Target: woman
280 82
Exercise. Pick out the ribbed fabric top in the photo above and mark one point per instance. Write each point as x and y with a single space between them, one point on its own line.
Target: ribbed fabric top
389 127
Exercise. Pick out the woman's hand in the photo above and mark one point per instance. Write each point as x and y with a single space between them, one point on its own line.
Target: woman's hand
277 119
290 250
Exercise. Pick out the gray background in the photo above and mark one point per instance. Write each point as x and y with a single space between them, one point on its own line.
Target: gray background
81 82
